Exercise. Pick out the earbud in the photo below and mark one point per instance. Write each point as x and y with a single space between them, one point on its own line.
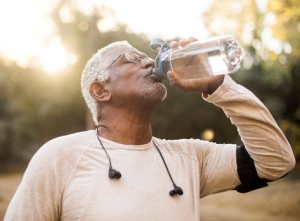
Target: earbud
114 174
176 191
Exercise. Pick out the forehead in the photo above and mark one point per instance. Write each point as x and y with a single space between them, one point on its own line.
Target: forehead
116 51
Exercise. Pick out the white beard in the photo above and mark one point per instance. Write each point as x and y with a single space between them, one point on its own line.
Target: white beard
154 92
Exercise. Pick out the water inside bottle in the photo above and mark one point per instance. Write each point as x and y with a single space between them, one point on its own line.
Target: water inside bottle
203 60
225 60
192 66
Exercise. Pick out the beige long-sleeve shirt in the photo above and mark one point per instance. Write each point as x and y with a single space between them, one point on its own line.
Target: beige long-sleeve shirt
67 179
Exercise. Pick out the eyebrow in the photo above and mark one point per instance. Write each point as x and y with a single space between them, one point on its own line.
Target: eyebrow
139 53
142 54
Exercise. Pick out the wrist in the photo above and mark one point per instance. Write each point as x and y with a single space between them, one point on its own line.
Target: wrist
214 84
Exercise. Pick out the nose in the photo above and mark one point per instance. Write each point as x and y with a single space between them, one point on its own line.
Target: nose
149 62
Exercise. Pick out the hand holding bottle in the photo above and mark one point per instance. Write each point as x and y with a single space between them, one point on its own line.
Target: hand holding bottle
207 83
186 62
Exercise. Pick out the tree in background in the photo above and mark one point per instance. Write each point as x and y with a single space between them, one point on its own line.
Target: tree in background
269 33
286 28
36 107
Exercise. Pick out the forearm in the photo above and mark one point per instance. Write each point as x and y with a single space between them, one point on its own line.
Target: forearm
259 132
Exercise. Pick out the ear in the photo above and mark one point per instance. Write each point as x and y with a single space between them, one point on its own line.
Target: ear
98 91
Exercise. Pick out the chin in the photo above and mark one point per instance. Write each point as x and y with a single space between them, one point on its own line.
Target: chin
154 92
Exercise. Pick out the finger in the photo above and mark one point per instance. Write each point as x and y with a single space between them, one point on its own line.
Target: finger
192 39
183 42
174 44
175 81
173 77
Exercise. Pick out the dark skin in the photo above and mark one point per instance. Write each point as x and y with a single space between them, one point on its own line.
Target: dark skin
124 115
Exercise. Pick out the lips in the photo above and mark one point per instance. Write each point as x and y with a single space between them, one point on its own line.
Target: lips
153 76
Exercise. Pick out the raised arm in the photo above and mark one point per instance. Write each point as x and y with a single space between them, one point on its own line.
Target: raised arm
263 139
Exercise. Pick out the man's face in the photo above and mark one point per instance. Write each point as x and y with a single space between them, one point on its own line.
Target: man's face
131 78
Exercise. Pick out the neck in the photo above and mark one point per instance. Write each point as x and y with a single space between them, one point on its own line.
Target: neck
128 128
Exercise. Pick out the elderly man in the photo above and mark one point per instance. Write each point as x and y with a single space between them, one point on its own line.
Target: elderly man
121 172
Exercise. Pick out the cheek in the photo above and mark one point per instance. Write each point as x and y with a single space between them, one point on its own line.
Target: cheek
123 80
127 83
125 88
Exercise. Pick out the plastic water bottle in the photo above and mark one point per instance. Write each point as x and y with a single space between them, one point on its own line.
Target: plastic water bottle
213 56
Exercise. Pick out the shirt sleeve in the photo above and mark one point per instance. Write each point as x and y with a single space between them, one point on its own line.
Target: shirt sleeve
36 196
39 195
263 139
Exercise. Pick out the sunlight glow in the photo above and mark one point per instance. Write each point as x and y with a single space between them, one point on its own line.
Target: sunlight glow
16 27
262 5
55 56
66 15
27 32
24 31
160 18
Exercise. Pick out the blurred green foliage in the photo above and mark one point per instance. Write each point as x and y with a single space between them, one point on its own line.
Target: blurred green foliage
270 35
36 107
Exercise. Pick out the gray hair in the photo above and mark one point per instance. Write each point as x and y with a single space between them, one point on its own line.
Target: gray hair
94 71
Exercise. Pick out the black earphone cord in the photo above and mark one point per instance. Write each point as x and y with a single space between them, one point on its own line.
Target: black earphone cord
114 174
177 189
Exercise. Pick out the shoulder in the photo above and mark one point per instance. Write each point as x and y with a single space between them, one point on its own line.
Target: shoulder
69 143
63 151
194 147
190 147
182 144
47 175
